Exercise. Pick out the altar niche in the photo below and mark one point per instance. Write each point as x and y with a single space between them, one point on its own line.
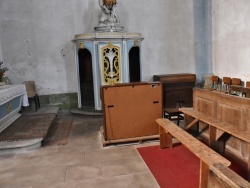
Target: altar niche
105 59
86 78
134 64
86 81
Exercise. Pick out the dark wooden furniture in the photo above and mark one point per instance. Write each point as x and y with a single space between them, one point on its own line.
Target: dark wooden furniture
177 92
177 87
130 110
174 113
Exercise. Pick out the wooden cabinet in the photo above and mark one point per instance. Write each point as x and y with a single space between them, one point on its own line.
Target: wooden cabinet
177 87
130 110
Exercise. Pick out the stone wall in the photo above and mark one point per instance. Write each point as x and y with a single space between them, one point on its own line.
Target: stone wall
231 39
36 38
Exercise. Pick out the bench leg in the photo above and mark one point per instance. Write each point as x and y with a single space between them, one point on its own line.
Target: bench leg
248 165
165 138
212 136
204 172
213 143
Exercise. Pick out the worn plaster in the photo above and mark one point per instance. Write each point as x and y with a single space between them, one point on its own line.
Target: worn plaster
36 38
231 39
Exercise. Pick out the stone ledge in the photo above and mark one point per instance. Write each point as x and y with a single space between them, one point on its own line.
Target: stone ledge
18 146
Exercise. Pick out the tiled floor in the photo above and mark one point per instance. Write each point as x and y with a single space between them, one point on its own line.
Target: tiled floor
83 162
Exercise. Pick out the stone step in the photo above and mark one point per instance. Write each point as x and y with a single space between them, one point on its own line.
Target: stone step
87 111
15 139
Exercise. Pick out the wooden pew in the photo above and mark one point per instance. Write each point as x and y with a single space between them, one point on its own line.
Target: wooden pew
210 161
226 108
214 125
225 177
245 91
207 156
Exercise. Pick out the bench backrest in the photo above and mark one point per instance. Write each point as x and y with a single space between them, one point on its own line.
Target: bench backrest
225 176
229 109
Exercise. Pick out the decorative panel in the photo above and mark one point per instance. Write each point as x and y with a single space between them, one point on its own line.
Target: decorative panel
110 59
227 108
205 106
111 64
245 122
228 113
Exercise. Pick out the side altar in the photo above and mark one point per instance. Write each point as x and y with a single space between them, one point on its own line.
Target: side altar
12 97
107 56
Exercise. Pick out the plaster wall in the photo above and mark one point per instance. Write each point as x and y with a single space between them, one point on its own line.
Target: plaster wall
231 38
1 55
36 38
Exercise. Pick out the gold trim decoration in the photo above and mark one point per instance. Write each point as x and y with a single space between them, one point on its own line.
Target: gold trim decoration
9 107
136 43
82 36
109 34
134 34
111 64
81 45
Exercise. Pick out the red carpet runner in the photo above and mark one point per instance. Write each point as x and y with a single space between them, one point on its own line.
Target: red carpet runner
177 167
173 167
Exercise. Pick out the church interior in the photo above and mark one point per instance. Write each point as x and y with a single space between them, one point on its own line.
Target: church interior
102 93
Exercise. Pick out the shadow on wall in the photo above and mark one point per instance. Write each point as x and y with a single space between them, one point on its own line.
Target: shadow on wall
202 37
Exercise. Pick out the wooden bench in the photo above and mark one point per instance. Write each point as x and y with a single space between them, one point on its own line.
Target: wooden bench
245 91
214 125
209 159
225 177
207 156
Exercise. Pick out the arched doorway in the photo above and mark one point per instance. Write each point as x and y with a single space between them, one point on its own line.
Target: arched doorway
134 65
86 78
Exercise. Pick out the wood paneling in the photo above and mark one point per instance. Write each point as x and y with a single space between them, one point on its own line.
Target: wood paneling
205 106
232 109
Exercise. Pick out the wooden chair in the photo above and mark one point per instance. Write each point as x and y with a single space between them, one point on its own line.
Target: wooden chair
31 93
246 90
215 80
174 113
236 81
234 90
226 82
248 84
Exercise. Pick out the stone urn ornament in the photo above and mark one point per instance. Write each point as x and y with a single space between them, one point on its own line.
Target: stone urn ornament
108 19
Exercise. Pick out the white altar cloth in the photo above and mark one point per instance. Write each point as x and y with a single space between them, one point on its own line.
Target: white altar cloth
9 92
